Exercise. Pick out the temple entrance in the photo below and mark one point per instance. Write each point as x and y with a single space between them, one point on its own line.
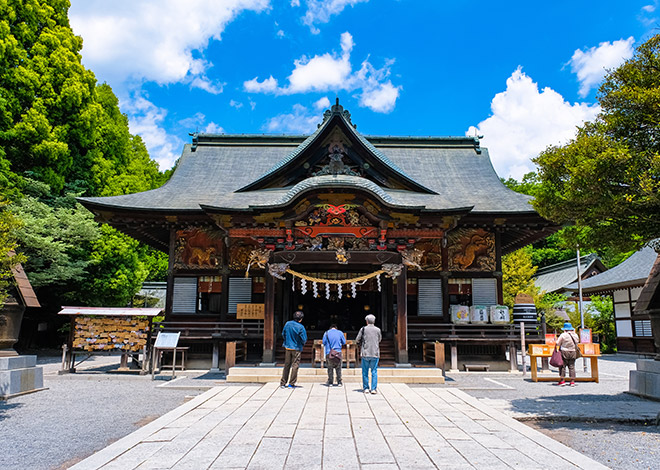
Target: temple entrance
347 313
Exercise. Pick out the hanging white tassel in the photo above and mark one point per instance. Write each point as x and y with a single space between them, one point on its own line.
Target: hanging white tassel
315 289
339 290
327 290
303 286
378 281
354 289
293 283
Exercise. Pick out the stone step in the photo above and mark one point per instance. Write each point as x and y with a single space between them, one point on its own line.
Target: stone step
317 375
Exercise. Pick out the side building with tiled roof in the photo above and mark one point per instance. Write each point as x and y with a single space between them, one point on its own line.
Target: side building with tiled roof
624 283
336 223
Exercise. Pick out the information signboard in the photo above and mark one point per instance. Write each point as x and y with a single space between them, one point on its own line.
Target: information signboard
585 335
167 340
550 339
250 311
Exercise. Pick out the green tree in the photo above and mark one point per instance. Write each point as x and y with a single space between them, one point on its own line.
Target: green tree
607 178
517 275
601 312
116 270
9 225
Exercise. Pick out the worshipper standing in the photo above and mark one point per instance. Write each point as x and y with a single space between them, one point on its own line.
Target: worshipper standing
368 339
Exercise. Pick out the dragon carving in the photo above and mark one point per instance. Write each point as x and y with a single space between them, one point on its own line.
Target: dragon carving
472 250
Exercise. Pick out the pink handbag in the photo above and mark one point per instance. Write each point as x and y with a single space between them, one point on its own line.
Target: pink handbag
556 359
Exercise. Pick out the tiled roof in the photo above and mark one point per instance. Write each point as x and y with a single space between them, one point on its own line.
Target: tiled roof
556 277
211 172
632 272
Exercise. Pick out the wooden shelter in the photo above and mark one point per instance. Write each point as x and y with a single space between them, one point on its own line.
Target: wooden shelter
335 223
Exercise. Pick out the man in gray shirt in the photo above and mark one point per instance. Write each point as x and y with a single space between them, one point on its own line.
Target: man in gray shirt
368 339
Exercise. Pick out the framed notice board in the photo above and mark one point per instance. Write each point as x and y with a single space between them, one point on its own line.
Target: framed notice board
167 340
250 311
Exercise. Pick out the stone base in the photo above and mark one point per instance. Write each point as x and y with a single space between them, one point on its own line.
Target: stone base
645 381
20 375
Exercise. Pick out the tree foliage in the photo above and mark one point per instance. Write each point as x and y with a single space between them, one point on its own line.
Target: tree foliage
63 135
8 227
517 276
607 179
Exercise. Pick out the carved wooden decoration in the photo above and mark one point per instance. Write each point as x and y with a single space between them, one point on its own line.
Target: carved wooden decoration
432 254
198 248
239 253
471 250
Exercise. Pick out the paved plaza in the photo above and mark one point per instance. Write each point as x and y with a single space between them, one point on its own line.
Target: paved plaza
314 427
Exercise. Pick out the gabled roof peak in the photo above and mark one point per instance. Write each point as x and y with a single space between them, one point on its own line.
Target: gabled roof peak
337 110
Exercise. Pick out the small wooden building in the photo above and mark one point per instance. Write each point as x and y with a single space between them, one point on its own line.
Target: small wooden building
624 283
336 224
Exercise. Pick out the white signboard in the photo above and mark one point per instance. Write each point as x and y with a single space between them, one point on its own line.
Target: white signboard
167 340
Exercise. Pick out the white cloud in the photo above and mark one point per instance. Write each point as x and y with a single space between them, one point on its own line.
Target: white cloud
269 85
280 34
525 121
146 119
334 72
235 104
193 122
321 104
299 121
592 64
320 11
153 40
649 8
213 128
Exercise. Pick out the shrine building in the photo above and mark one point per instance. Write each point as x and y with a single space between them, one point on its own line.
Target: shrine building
336 224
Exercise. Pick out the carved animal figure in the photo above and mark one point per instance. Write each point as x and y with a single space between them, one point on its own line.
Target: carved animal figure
201 257
412 258
478 245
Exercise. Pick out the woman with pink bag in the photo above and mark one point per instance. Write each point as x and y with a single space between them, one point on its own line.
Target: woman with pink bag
568 346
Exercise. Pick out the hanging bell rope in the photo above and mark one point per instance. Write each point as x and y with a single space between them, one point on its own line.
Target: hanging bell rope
334 282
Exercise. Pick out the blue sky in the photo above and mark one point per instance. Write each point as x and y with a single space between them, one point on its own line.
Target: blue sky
522 74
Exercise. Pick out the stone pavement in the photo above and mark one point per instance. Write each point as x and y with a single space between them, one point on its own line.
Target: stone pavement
314 427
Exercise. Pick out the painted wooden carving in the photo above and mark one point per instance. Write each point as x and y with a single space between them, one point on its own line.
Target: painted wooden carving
198 248
471 250
240 252
412 258
432 254
342 219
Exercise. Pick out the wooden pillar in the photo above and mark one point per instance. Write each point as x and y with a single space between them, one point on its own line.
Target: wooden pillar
402 317
269 320
169 295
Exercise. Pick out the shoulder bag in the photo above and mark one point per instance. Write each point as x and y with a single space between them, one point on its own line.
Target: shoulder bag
556 359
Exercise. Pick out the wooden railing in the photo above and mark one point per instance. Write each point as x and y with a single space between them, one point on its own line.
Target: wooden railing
469 332
238 329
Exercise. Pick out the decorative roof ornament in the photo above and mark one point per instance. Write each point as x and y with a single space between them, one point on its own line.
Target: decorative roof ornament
337 109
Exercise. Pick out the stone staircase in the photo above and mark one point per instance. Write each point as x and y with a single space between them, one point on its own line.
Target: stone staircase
306 374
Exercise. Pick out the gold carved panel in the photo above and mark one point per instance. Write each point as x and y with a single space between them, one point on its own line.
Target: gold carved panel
239 253
471 250
432 257
198 248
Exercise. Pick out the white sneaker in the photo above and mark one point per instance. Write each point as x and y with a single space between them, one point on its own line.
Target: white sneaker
373 392
366 390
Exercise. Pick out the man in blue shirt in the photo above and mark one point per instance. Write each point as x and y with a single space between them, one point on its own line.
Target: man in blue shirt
333 340
295 337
